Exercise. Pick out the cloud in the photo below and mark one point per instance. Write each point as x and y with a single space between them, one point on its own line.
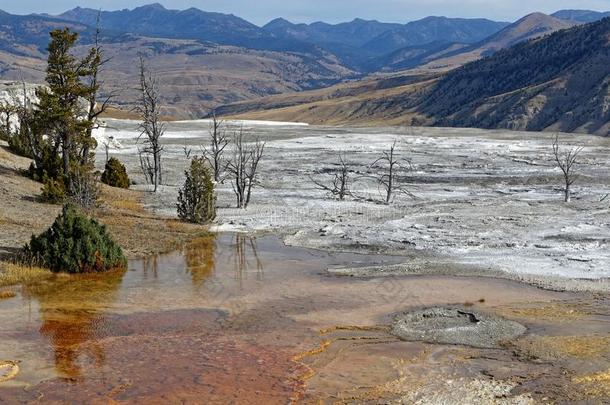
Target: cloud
261 11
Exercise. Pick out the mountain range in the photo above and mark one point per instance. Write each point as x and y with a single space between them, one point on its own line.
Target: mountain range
560 82
212 59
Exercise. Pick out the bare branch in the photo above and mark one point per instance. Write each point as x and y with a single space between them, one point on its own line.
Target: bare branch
152 127
243 167
93 65
214 153
340 186
388 179
566 162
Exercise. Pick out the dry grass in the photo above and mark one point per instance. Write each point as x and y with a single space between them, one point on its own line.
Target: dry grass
4 220
139 232
555 311
6 294
4 154
121 199
175 225
584 347
117 113
14 274
596 385
127 205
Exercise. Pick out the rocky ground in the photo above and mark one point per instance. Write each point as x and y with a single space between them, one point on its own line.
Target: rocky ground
482 202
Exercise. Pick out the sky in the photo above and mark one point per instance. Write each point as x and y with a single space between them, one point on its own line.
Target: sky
332 11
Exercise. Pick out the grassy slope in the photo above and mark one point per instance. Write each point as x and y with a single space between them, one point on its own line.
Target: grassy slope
373 101
194 78
21 215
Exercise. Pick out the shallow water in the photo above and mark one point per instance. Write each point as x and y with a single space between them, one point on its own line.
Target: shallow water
229 319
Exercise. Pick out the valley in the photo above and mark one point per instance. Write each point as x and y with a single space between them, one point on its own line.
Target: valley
230 61
556 83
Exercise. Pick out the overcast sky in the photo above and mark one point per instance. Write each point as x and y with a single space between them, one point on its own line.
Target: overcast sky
261 11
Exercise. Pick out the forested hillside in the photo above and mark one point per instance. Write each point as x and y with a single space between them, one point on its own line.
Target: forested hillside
561 82
558 82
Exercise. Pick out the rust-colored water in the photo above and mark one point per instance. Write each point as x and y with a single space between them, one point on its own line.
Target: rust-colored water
226 320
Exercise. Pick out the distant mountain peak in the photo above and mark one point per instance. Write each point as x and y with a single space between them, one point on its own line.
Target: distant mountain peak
278 23
432 29
535 14
540 21
152 6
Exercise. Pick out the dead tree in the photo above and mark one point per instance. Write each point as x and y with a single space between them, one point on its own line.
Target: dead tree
214 153
243 167
340 186
566 161
95 109
152 127
388 179
107 142
187 151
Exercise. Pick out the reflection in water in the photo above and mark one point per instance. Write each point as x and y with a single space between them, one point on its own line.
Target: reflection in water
202 254
200 258
72 311
246 257
146 336
76 311
150 266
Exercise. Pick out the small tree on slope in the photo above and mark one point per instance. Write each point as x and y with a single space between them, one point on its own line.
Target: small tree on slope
75 243
196 199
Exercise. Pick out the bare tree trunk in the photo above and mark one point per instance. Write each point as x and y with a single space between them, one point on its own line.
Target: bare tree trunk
96 62
256 153
151 127
243 168
65 153
390 183
214 153
387 180
566 161
157 158
340 185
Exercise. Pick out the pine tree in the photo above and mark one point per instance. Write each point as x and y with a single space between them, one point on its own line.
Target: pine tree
75 243
115 174
62 113
196 199
59 109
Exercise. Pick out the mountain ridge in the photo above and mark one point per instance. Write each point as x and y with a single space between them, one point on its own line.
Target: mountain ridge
210 59
531 26
581 16
559 82
434 28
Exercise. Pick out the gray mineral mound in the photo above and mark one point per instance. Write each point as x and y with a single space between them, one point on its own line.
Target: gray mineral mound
455 326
